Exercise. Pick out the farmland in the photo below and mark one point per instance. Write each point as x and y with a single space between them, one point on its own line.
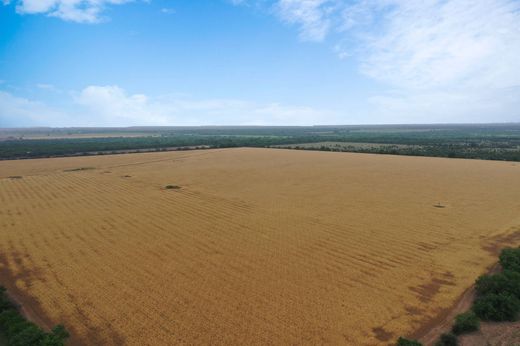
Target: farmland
250 246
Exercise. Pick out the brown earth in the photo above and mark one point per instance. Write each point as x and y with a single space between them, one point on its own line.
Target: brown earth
493 334
257 246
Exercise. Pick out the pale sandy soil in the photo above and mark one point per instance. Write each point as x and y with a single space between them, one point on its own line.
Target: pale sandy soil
259 246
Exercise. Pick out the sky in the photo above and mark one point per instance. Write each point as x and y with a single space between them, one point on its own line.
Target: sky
258 62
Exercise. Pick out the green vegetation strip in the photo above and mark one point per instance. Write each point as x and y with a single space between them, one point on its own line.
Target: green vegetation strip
497 299
487 142
17 331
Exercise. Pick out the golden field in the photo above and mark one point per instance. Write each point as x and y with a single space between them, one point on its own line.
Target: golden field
259 246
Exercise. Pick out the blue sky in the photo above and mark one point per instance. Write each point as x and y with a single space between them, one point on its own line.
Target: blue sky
258 62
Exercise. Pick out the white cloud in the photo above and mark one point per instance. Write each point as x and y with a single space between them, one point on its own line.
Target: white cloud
113 106
45 86
313 16
19 111
444 57
81 11
418 44
437 43
168 10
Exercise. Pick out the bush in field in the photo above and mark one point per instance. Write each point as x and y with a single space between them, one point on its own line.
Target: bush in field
510 259
447 340
466 323
405 342
172 187
497 307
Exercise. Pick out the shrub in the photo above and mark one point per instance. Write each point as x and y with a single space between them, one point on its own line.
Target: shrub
510 259
466 323
497 307
172 187
28 336
507 282
57 337
405 342
5 303
448 339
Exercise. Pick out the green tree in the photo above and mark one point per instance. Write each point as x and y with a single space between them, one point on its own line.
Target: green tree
497 307
447 340
406 342
510 259
507 282
466 323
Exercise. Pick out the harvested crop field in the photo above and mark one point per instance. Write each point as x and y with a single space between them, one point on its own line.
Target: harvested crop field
250 246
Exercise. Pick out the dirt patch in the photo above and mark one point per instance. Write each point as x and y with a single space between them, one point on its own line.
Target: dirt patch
492 333
497 243
426 292
382 334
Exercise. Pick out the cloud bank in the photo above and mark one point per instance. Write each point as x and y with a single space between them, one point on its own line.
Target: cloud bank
81 11
111 105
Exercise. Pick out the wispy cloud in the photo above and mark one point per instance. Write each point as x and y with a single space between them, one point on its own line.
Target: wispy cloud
111 105
120 108
168 10
313 16
432 43
81 11
19 111
452 55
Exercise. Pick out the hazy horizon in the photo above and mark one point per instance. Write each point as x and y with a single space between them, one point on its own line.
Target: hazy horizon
235 125
120 63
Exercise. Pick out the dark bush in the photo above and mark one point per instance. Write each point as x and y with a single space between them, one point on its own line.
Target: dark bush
30 335
172 187
405 342
466 323
507 282
5 303
448 339
497 307
510 259
56 338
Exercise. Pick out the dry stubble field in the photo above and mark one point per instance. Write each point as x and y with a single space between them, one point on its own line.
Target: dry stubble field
258 247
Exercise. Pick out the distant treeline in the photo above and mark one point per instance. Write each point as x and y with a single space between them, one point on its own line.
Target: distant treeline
462 151
488 142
